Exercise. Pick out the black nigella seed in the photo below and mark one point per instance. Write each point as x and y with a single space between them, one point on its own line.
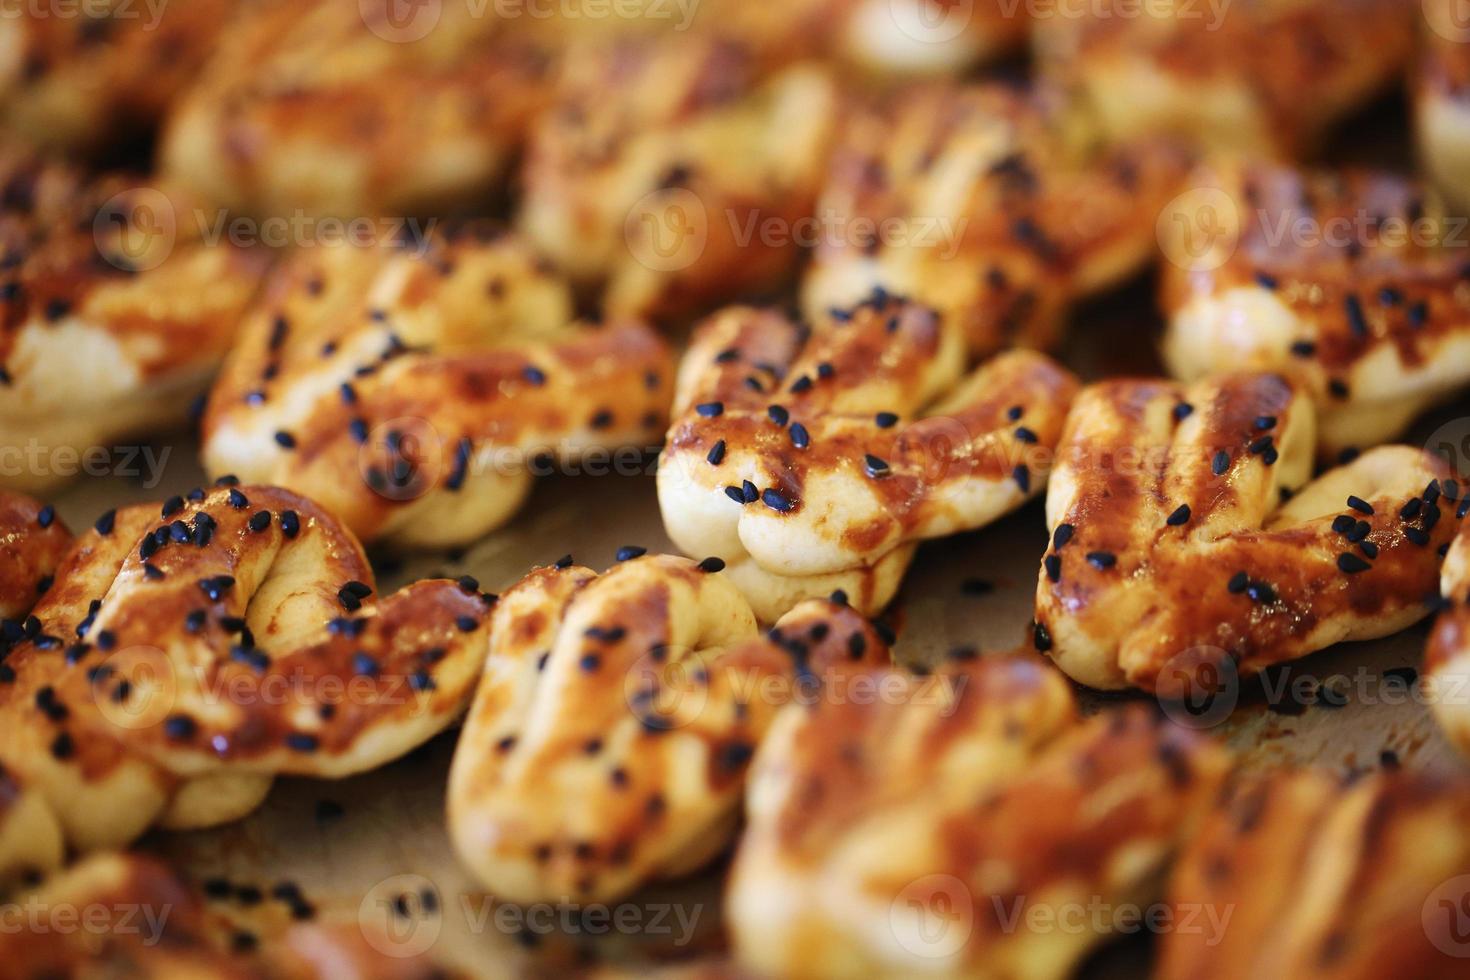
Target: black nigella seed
1265 422
46 516
727 355
1416 536
801 384
1221 463
885 420
1180 516
1238 583
105 523
1352 564
1369 548
712 564
285 440
875 467
716 453
590 662
290 523
194 621
1183 411
358 430
1025 435
1053 564
216 587
260 520
533 375
1342 523
364 665
1390 296
1359 532
799 436
1338 388
1041 637
1102 559
1411 509
172 506
825 370
1261 593
1304 348
1062 535
777 501
1266 280
1261 445
1360 505
238 500
152 572
1356 321
1418 315
348 393
1022 475
630 551
778 414
1015 412
565 561
301 742
710 409
736 494
467 624
179 727
1431 493
748 492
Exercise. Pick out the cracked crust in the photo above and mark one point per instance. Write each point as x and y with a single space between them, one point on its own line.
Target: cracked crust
1261 77
1351 282
1301 874
336 109
180 662
967 797
608 742
1177 540
82 82
688 189
816 459
980 202
115 311
419 385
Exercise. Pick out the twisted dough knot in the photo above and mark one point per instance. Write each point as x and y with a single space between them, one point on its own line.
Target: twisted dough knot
1173 552
184 657
413 387
114 314
1258 77
689 188
1441 114
977 202
608 741
321 108
968 797
814 460
1355 283
78 82
141 919
1302 873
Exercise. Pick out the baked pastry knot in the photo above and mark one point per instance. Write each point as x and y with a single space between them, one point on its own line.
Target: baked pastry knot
415 387
187 654
814 459
922 831
1302 873
103 74
1179 551
609 738
115 311
320 108
982 202
691 188
1442 100
1355 283
1265 78
1447 660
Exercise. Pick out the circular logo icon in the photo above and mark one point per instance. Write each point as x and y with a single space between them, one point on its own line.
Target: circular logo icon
1445 916
931 21
662 689
401 21
1199 688
1450 19
667 230
136 230
933 917
402 459
135 688
400 916
1200 229
1451 442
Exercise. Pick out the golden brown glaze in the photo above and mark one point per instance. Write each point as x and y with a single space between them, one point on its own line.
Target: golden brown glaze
115 310
78 76
1356 282
687 189
1441 93
928 828
1301 874
414 387
608 742
1262 77
32 542
1447 660
1178 545
319 107
814 459
980 202
187 654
